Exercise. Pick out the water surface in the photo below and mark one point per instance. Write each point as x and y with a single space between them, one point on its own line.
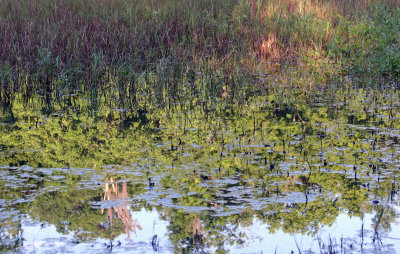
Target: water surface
205 178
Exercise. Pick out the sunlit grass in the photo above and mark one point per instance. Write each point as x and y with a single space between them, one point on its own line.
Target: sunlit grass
130 54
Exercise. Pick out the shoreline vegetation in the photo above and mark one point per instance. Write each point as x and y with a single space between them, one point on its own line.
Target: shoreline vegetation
130 56
218 124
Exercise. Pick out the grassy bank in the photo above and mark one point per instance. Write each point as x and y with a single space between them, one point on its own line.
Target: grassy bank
131 54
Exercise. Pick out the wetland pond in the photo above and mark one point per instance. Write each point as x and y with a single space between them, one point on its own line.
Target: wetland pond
205 177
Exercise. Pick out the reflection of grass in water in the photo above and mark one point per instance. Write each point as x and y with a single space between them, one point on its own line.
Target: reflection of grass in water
11 236
240 143
117 192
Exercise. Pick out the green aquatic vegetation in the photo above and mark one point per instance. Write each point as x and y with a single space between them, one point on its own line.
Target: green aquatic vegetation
214 115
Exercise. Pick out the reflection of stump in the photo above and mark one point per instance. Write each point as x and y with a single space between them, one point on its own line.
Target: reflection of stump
122 211
197 231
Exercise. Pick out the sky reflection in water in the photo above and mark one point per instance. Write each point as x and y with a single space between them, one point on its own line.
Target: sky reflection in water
234 179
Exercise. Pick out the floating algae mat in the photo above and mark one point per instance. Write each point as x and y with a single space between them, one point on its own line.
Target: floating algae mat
205 177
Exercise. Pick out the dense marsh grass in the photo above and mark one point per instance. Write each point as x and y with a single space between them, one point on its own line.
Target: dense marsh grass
132 54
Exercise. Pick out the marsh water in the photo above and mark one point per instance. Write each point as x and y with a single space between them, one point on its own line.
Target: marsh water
205 177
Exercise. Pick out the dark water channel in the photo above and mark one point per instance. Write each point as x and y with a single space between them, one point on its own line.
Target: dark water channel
197 178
